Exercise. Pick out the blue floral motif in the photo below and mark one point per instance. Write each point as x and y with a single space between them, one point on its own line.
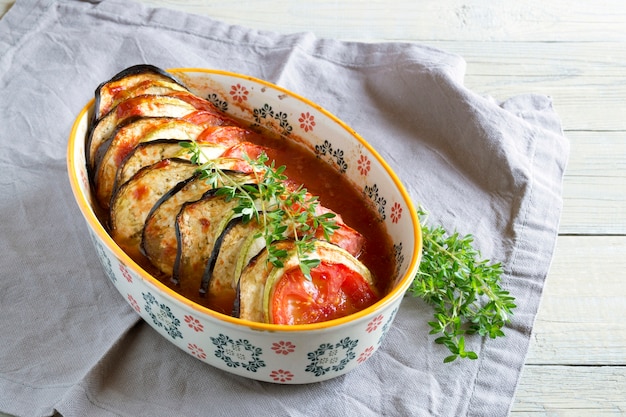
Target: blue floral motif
264 112
336 155
237 353
104 260
284 123
327 356
399 255
387 325
221 105
380 201
267 113
162 316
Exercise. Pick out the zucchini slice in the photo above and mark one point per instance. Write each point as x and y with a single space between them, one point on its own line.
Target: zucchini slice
136 80
133 202
340 285
159 243
198 226
140 106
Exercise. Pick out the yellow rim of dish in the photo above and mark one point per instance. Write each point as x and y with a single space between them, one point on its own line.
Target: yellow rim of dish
94 222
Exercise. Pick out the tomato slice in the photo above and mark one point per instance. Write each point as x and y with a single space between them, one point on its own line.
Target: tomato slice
334 291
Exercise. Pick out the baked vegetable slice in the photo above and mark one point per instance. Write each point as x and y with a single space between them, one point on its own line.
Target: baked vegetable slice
133 81
237 244
140 106
159 242
125 140
133 202
198 226
340 285
148 153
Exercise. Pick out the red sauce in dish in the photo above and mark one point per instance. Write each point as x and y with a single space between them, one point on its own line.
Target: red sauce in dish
334 190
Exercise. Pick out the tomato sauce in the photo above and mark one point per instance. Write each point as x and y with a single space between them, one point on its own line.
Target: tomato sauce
335 192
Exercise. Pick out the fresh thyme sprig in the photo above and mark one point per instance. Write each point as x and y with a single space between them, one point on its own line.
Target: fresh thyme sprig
281 211
463 290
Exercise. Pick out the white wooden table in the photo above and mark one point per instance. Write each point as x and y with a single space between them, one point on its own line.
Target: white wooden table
575 52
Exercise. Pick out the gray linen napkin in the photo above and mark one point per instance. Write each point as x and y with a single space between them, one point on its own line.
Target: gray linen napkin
69 341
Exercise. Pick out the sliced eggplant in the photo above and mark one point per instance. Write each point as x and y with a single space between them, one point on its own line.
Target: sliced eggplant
148 153
339 285
140 106
133 81
159 243
133 202
162 211
235 246
125 140
198 226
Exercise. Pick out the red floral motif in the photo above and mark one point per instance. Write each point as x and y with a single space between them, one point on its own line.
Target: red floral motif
194 323
396 212
239 93
283 348
365 355
281 375
307 121
133 303
196 351
83 178
364 165
373 325
126 274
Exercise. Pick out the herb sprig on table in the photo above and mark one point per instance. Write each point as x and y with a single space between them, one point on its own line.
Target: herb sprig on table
463 289
283 212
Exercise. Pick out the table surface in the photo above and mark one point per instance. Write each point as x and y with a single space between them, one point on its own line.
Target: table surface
575 53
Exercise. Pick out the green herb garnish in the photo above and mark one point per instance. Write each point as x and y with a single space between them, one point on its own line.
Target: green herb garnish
463 289
282 211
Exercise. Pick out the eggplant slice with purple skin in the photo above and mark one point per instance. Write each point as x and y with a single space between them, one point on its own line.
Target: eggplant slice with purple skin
198 226
148 153
234 248
113 152
140 106
125 140
161 209
133 202
159 242
136 80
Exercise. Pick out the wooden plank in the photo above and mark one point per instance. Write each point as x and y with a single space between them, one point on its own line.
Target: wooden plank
571 391
560 68
582 103
595 184
594 205
532 20
581 317
539 60
585 79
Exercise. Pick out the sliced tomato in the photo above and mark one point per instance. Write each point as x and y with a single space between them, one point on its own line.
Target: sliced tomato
238 150
334 291
208 118
224 135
